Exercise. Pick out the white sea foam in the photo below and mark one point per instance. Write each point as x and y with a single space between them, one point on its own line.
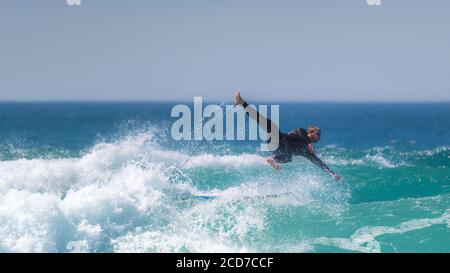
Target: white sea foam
228 161
118 197
121 196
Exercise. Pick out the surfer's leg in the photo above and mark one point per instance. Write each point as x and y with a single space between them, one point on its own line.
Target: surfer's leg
261 120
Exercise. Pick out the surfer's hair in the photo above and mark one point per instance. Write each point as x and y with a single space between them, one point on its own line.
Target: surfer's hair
313 129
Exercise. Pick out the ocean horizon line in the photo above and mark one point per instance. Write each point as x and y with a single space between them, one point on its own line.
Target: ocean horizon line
212 101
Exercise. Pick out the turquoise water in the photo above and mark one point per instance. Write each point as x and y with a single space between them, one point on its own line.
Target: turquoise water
103 177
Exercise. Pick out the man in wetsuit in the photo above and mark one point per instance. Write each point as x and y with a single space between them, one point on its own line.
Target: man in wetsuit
296 142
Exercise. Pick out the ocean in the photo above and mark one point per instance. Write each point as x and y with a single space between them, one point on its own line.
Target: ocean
105 177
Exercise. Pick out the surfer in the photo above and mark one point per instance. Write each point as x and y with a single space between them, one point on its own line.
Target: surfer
297 142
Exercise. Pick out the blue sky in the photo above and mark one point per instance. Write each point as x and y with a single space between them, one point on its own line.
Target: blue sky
312 50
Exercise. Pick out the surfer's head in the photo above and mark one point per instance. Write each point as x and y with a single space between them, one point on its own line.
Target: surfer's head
313 133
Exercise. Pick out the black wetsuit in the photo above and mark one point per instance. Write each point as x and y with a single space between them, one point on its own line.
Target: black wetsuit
293 143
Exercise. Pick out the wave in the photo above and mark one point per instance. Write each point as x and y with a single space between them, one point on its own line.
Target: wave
121 196
385 157
364 239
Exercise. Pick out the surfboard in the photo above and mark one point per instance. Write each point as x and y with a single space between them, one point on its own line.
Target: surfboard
213 197
196 197
267 196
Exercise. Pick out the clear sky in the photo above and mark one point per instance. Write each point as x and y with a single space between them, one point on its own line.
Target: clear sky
315 50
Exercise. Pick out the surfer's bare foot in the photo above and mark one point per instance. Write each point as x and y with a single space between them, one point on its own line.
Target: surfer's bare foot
273 163
238 100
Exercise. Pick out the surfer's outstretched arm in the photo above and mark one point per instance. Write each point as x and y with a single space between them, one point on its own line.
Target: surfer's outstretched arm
314 159
262 121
